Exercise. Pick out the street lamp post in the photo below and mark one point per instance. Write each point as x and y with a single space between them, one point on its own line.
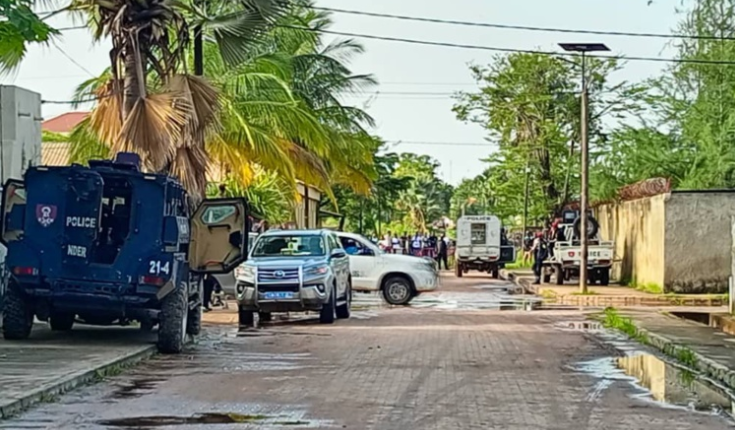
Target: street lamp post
583 49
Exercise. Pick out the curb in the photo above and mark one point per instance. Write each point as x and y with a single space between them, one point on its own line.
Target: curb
602 301
68 383
706 366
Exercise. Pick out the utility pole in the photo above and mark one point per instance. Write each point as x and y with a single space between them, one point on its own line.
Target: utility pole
525 197
584 48
584 192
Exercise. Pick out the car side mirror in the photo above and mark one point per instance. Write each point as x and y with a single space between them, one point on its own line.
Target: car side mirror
338 253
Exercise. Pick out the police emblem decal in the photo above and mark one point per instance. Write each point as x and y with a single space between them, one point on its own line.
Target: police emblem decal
46 214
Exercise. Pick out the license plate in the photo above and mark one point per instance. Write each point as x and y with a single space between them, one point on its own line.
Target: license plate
278 295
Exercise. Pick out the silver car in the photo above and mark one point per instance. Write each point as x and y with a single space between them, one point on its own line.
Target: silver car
295 271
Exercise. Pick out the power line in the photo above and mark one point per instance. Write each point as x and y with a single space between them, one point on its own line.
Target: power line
417 142
521 27
509 50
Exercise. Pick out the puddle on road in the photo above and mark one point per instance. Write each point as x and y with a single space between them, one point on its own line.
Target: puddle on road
290 420
136 388
660 381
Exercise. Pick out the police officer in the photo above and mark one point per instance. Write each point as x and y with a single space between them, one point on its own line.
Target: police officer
540 251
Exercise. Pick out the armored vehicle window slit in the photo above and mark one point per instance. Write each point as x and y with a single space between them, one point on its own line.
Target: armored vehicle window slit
116 214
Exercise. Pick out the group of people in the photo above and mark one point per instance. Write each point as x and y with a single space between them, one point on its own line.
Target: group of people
418 245
540 246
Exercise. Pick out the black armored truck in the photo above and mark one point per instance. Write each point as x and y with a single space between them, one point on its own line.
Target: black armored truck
109 244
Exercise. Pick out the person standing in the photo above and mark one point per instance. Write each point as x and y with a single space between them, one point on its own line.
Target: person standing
210 283
443 252
540 250
527 246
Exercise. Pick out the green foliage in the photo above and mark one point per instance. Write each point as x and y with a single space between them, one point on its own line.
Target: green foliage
19 27
407 197
528 104
267 195
51 137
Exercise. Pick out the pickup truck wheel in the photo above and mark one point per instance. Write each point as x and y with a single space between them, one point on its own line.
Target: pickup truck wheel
343 311
174 321
605 277
245 318
61 321
559 275
495 273
545 275
397 290
265 316
17 315
458 270
326 315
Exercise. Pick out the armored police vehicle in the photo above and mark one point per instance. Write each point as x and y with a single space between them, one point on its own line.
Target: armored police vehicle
109 244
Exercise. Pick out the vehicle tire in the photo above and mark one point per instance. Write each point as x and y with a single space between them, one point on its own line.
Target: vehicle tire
194 321
594 227
558 275
458 270
593 276
344 311
545 275
397 290
245 318
327 313
17 315
605 277
495 273
265 316
61 321
174 321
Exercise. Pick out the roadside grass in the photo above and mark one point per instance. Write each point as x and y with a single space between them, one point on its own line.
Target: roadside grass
519 263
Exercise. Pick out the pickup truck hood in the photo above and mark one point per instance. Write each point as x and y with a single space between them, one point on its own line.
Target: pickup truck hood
281 262
402 259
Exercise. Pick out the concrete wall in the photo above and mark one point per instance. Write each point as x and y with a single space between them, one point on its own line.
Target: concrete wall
679 242
20 131
637 227
698 241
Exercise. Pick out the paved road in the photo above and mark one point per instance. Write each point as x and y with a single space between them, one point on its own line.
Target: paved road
426 367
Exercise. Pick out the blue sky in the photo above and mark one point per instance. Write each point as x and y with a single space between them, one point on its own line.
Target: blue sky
424 122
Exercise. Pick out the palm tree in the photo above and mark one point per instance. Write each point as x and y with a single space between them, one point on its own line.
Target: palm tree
278 110
151 104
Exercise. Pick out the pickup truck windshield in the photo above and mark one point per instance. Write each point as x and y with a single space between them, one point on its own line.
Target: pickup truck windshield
296 246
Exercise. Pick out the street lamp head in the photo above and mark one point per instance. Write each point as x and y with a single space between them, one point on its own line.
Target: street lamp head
584 47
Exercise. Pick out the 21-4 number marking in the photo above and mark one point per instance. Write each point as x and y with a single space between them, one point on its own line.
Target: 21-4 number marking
156 267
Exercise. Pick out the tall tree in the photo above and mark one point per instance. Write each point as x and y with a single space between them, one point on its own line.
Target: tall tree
529 105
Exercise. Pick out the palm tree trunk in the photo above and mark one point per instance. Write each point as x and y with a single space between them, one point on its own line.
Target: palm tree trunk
131 83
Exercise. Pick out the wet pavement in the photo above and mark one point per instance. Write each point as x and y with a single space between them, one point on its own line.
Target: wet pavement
443 363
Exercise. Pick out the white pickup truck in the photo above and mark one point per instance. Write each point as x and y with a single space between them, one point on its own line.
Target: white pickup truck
399 277
566 256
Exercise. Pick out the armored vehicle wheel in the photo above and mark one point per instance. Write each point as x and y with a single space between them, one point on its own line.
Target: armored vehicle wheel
326 315
61 321
265 316
246 318
495 273
194 323
458 270
174 319
344 310
604 277
17 315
